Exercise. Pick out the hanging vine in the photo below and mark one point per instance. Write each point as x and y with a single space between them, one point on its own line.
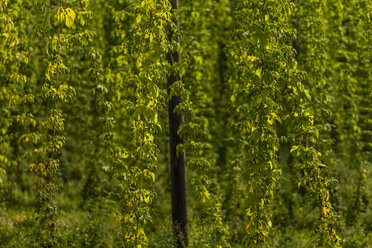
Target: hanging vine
258 56
56 91
350 73
140 69
15 118
306 132
198 62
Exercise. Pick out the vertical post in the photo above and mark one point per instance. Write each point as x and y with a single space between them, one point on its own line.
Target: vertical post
178 162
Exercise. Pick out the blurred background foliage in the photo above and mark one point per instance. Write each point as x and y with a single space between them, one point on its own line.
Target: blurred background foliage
277 101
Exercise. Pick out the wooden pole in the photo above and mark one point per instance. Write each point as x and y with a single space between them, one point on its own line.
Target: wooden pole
178 163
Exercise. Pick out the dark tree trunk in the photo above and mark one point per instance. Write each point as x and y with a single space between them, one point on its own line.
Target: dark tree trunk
220 105
178 162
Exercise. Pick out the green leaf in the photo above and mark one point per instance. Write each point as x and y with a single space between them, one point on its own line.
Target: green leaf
70 17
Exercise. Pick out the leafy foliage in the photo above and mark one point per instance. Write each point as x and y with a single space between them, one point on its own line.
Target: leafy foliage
275 109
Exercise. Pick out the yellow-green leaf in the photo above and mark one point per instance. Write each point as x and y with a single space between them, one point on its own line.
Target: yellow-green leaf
258 72
70 17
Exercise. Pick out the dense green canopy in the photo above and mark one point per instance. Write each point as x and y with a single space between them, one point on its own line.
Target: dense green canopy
273 100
